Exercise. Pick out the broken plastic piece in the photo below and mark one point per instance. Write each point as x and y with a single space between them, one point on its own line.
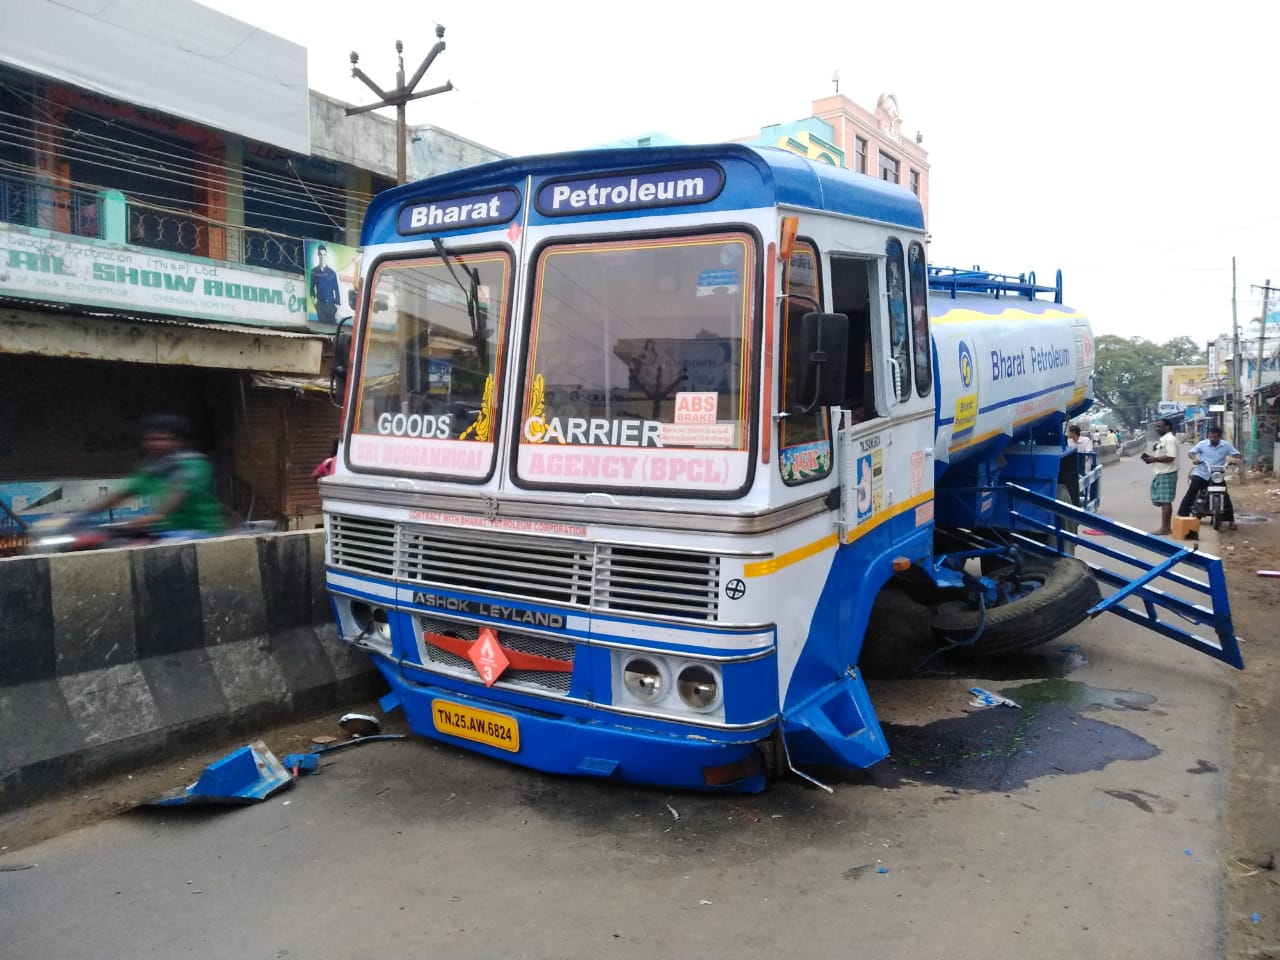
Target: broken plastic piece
297 763
248 775
985 698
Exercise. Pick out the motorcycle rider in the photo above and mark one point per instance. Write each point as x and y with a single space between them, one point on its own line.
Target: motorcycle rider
1206 455
175 480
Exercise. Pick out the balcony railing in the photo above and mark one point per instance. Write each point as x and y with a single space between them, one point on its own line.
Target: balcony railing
77 211
163 228
29 203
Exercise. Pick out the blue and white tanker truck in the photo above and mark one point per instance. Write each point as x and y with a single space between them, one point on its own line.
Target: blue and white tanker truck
633 440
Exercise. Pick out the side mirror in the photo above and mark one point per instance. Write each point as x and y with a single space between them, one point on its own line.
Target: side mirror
825 341
341 360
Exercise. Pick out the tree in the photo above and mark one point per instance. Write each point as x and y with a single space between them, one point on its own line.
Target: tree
1126 373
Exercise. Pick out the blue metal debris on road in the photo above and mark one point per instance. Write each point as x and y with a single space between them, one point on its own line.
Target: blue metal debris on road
248 775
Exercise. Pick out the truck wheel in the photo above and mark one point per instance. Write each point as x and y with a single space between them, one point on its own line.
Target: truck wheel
1056 595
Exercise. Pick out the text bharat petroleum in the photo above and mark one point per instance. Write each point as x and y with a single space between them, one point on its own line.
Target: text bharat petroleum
1037 360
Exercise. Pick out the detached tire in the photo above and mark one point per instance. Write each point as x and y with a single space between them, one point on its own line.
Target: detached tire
1062 600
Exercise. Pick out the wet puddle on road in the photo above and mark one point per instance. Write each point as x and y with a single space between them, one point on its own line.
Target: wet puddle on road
1054 730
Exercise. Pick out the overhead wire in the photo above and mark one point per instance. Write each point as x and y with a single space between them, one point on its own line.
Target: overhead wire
74 184
115 146
111 144
159 201
144 159
293 207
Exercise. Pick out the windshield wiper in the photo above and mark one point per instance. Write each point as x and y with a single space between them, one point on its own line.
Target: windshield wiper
479 316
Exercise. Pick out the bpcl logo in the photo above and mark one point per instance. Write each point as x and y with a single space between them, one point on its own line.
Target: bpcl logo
966 365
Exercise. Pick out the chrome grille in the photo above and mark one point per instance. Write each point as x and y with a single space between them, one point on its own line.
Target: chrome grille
644 580
363 543
554 571
619 578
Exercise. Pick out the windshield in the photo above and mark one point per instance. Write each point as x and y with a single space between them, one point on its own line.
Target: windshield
428 395
638 365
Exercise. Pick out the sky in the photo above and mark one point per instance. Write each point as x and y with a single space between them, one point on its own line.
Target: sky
1130 144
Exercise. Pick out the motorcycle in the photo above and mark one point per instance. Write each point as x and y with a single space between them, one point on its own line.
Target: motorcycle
1211 501
75 534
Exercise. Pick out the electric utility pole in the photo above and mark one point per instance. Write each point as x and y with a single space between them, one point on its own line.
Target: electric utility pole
400 96
1262 339
1236 368
1262 326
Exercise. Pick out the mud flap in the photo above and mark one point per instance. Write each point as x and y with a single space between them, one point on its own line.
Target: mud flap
837 727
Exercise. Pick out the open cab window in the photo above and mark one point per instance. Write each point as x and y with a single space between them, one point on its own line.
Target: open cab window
638 366
427 399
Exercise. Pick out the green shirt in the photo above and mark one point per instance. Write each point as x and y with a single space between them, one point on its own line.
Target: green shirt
193 475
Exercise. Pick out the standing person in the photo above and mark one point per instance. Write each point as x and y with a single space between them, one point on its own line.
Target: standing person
177 481
1164 481
1081 444
324 287
1209 453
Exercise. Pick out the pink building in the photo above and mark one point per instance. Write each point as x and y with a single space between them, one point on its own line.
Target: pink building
844 134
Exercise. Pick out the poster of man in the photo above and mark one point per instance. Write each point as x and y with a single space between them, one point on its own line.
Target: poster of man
332 270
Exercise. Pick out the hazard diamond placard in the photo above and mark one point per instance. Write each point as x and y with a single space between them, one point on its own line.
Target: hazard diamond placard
488 657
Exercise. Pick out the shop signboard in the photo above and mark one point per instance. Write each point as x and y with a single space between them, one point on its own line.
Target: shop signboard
54 268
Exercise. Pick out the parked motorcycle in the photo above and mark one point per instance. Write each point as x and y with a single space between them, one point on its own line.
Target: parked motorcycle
1211 501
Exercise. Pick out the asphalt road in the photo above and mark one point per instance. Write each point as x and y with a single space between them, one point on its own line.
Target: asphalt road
1087 824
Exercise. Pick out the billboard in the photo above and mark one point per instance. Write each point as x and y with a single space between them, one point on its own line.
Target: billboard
36 500
1183 384
333 271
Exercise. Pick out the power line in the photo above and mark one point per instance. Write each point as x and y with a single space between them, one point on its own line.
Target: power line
290 203
139 154
194 156
83 185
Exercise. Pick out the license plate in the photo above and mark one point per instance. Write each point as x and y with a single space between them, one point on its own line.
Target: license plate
482 726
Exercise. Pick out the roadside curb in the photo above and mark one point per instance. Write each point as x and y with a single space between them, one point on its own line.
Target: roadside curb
110 658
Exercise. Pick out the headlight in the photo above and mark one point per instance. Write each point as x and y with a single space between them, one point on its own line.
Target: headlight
371 621
698 687
643 679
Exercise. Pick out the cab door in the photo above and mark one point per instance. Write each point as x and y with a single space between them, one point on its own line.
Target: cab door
886 435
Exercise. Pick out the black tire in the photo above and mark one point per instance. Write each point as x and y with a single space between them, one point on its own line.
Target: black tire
990 565
1067 590
1217 517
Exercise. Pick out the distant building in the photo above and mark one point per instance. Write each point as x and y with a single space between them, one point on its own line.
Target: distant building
843 134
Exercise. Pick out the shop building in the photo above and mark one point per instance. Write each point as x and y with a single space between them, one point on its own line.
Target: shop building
158 216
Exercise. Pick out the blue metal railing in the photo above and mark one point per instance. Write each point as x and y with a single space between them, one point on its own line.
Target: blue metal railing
1144 589
954 280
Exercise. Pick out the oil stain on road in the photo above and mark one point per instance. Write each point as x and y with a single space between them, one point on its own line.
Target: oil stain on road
1053 731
